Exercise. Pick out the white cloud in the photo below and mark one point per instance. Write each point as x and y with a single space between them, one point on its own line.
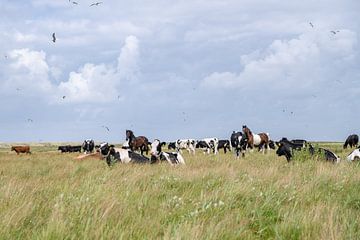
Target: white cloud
29 69
306 60
102 83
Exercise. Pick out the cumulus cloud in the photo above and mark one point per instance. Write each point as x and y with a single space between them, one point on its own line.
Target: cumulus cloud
29 70
102 83
308 59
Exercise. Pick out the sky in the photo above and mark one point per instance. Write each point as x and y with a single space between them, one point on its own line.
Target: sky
178 69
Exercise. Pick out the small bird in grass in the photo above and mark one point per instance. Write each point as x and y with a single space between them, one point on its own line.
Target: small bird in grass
53 37
96 4
312 25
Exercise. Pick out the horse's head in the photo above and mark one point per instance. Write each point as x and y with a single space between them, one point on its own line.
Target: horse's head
129 134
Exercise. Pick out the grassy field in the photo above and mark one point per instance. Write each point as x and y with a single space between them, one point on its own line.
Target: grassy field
48 195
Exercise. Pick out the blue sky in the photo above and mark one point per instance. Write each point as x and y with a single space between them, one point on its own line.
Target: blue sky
178 69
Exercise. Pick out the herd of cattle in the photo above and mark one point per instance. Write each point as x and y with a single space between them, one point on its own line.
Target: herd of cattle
240 143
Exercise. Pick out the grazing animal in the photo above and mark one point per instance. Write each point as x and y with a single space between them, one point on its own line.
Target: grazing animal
354 155
136 143
211 145
171 145
224 144
69 148
260 140
188 144
88 146
351 141
113 155
238 143
21 149
157 154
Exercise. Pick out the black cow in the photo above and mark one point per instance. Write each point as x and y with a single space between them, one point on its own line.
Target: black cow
225 144
295 144
352 141
69 148
285 149
88 146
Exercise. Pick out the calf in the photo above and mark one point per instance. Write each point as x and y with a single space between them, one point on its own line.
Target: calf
225 144
188 144
352 141
88 146
330 156
21 149
113 155
157 154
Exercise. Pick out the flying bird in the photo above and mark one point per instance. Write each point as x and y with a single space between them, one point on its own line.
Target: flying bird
63 97
311 24
334 32
29 120
106 128
5 56
53 37
96 4
75 3
18 89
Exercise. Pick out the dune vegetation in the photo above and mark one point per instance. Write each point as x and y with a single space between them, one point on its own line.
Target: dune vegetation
49 195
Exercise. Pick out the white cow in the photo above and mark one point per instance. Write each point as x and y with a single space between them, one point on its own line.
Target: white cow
188 144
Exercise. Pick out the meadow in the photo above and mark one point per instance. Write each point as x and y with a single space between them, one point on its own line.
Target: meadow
49 195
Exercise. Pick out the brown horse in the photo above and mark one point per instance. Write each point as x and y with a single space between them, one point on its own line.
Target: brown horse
136 143
260 140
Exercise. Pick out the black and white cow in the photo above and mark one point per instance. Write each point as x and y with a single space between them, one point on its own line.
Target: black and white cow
171 145
224 144
354 155
352 141
188 144
88 146
330 156
211 144
113 155
238 143
157 154
69 148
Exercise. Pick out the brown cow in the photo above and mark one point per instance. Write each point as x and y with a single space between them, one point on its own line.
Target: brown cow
21 149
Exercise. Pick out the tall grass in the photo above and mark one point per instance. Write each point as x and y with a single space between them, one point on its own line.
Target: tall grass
48 195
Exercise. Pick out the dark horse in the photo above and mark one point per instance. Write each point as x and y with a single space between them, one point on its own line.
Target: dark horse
136 143
260 140
352 141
